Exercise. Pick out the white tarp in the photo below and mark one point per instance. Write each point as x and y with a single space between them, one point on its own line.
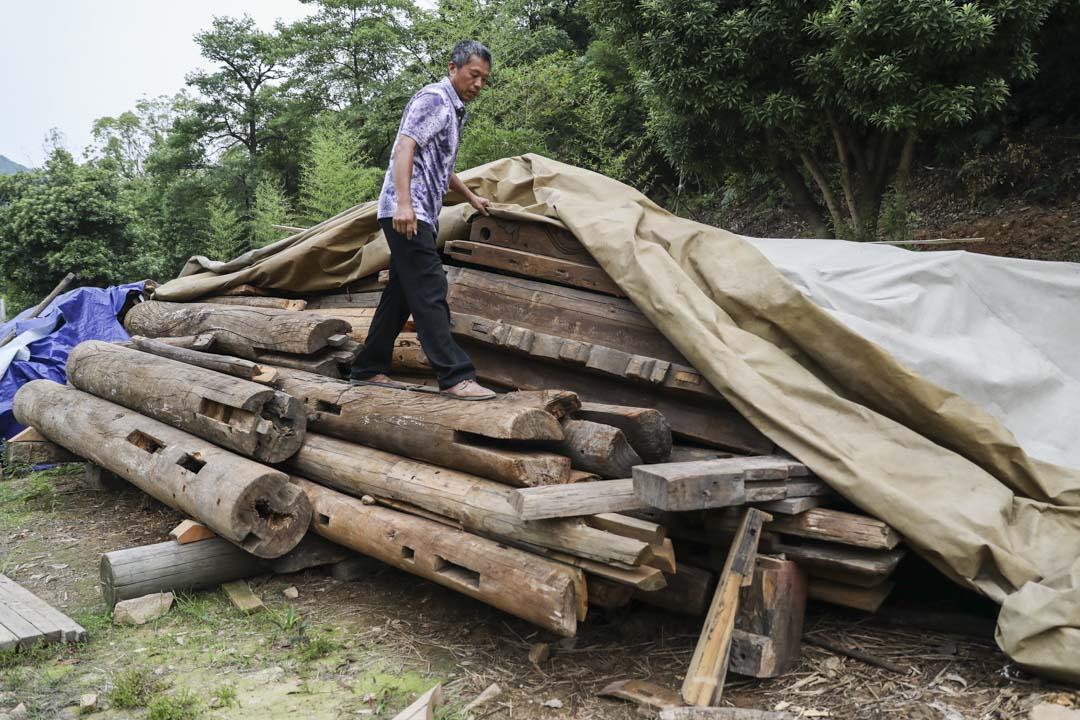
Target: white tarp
1003 333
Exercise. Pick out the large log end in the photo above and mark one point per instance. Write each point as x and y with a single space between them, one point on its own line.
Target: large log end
281 428
274 514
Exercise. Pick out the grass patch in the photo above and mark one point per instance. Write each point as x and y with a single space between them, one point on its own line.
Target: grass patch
135 688
225 696
180 705
39 652
316 648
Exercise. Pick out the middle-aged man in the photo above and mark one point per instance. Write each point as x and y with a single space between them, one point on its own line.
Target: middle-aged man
421 170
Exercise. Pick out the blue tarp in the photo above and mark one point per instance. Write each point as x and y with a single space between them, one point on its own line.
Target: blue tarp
82 314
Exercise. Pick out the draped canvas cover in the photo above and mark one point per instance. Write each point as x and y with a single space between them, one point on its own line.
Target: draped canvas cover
815 374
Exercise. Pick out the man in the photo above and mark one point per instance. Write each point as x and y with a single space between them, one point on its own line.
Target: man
421 169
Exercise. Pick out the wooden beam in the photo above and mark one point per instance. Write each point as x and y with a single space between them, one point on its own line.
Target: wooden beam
240 595
532 237
857 565
630 527
480 505
646 429
839 527
323 364
248 503
237 330
532 265
237 367
704 683
424 707
514 581
440 430
867 599
236 414
588 498
275 303
38 453
597 448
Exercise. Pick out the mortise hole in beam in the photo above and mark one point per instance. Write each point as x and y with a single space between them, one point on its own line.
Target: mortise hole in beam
323 519
191 463
143 441
485 233
461 574
327 407
215 410
407 553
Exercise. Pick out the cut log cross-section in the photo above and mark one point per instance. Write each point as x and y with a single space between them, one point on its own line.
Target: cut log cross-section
439 430
239 499
647 431
237 414
480 505
237 330
522 584
598 448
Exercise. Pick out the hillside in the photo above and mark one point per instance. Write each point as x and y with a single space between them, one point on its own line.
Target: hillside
10 167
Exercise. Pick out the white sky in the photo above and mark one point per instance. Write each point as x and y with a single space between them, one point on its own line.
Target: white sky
65 63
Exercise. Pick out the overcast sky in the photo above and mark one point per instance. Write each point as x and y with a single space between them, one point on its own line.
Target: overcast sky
65 63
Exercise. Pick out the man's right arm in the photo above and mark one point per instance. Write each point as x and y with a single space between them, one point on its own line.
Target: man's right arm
404 216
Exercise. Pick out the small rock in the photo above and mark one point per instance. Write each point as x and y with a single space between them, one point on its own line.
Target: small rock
215 702
88 703
1049 711
539 653
553 703
18 712
139 611
291 593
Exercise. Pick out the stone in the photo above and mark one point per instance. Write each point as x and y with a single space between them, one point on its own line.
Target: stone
19 711
290 593
88 703
1050 711
141 610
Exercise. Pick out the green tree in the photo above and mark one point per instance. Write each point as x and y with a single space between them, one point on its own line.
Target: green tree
857 82
271 208
335 177
226 231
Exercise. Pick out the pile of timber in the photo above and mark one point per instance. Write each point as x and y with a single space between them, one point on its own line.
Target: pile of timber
607 472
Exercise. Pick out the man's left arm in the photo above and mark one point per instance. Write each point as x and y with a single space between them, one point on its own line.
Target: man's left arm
481 204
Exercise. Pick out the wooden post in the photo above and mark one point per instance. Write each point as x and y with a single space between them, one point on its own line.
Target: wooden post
248 503
237 330
240 415
704 682
236 367
522 584
480 505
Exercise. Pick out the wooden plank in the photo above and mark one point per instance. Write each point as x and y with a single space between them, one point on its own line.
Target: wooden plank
691 486
237 367
479 504
240 595
849 561
357 300
642 692
704 683
28 435
424 707
531 237
531 265
8 639
598 448
627 526
39 453
808 488
533 588
642 577
589 498
860 598
791 506
709 422
663 556
693 453
70 631
840 527
772 606
190 531
646 429
323 364
260 302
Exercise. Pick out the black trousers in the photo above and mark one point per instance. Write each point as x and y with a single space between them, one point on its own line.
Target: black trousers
418 286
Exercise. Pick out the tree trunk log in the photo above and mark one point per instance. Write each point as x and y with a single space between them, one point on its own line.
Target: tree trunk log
237 330
480 505
236 367
239 499
240 415
517 582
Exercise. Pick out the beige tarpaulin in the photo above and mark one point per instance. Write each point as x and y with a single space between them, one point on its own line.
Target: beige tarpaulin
945 473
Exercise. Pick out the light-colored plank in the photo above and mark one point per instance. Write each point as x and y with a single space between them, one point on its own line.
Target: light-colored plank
588 498
190 531
239 593
860 598
424 707
840 527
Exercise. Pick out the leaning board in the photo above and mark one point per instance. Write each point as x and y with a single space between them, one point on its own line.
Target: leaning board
26 619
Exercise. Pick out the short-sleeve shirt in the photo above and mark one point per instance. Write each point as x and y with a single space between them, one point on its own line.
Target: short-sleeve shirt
433 118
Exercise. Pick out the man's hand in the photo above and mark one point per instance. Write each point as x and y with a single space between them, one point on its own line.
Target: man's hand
405 219
481 204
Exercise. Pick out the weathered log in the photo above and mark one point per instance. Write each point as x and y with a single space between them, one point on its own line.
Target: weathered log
237 330
646 429
275 303
480 505
436 429
522 584
240 415
322 364
239 499
237 367
588 498
598 448
171 566
359 301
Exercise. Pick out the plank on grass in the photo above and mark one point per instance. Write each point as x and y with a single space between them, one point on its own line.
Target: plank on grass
240 595
49 620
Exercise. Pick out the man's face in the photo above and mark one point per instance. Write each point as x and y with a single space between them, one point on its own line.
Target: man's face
469 79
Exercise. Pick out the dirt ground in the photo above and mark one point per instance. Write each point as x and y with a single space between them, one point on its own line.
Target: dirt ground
367 648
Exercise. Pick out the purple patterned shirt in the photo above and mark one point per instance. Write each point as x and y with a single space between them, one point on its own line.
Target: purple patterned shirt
433 118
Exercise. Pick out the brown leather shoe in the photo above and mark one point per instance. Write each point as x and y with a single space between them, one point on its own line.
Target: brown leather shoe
469 390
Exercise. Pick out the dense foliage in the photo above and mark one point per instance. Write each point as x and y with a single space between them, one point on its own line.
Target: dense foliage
294 124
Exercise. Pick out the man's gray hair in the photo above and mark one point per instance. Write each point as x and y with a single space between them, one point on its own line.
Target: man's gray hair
466 50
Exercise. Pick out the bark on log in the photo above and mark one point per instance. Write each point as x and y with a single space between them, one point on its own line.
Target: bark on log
480 505
239 499
240 415
275 303
237 330
517 582
598 448
436 429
